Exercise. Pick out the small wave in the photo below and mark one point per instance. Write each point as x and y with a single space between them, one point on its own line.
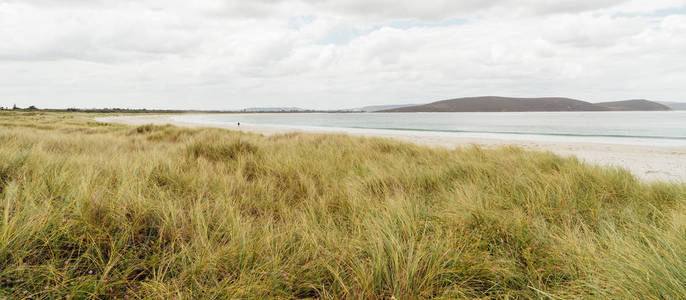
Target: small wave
529 133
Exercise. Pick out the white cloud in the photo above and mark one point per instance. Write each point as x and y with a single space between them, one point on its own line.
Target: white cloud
217 54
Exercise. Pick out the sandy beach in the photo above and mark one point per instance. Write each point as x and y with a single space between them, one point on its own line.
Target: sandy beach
646 162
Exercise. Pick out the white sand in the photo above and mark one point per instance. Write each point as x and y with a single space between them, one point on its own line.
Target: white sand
647 162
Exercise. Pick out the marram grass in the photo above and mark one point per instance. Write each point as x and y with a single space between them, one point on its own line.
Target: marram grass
92 210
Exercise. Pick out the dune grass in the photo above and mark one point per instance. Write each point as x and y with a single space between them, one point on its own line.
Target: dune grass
92 210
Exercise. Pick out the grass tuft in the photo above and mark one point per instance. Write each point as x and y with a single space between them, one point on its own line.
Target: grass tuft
221 151
91 210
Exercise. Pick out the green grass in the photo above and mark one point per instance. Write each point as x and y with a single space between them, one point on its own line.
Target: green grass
92 210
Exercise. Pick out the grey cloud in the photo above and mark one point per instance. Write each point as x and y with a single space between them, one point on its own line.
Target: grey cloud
570 6
424 10
112 36
231 54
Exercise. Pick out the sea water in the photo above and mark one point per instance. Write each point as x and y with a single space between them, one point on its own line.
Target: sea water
632 128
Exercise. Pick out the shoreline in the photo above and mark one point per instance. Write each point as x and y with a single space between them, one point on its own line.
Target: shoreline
648 163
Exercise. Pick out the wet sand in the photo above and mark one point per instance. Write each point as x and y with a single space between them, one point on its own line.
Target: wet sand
646 162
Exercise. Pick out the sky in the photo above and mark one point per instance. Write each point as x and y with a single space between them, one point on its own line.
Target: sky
331 54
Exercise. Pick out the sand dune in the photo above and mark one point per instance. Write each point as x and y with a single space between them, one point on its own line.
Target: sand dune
647 163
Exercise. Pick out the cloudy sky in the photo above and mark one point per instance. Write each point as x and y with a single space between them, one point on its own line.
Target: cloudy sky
230 54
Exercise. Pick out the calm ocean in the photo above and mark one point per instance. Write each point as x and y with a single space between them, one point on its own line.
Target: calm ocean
634 128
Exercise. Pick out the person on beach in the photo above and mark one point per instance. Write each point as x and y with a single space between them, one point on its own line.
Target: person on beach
239 124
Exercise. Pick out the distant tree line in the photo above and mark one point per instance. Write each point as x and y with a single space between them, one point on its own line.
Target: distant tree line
101 110
14 107
144 110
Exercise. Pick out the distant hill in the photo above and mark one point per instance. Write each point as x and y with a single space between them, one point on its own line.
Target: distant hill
502 104
384 107
509 104
634 105
274 109
674 105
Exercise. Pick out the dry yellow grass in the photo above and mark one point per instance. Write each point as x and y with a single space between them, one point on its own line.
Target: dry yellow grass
91 210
